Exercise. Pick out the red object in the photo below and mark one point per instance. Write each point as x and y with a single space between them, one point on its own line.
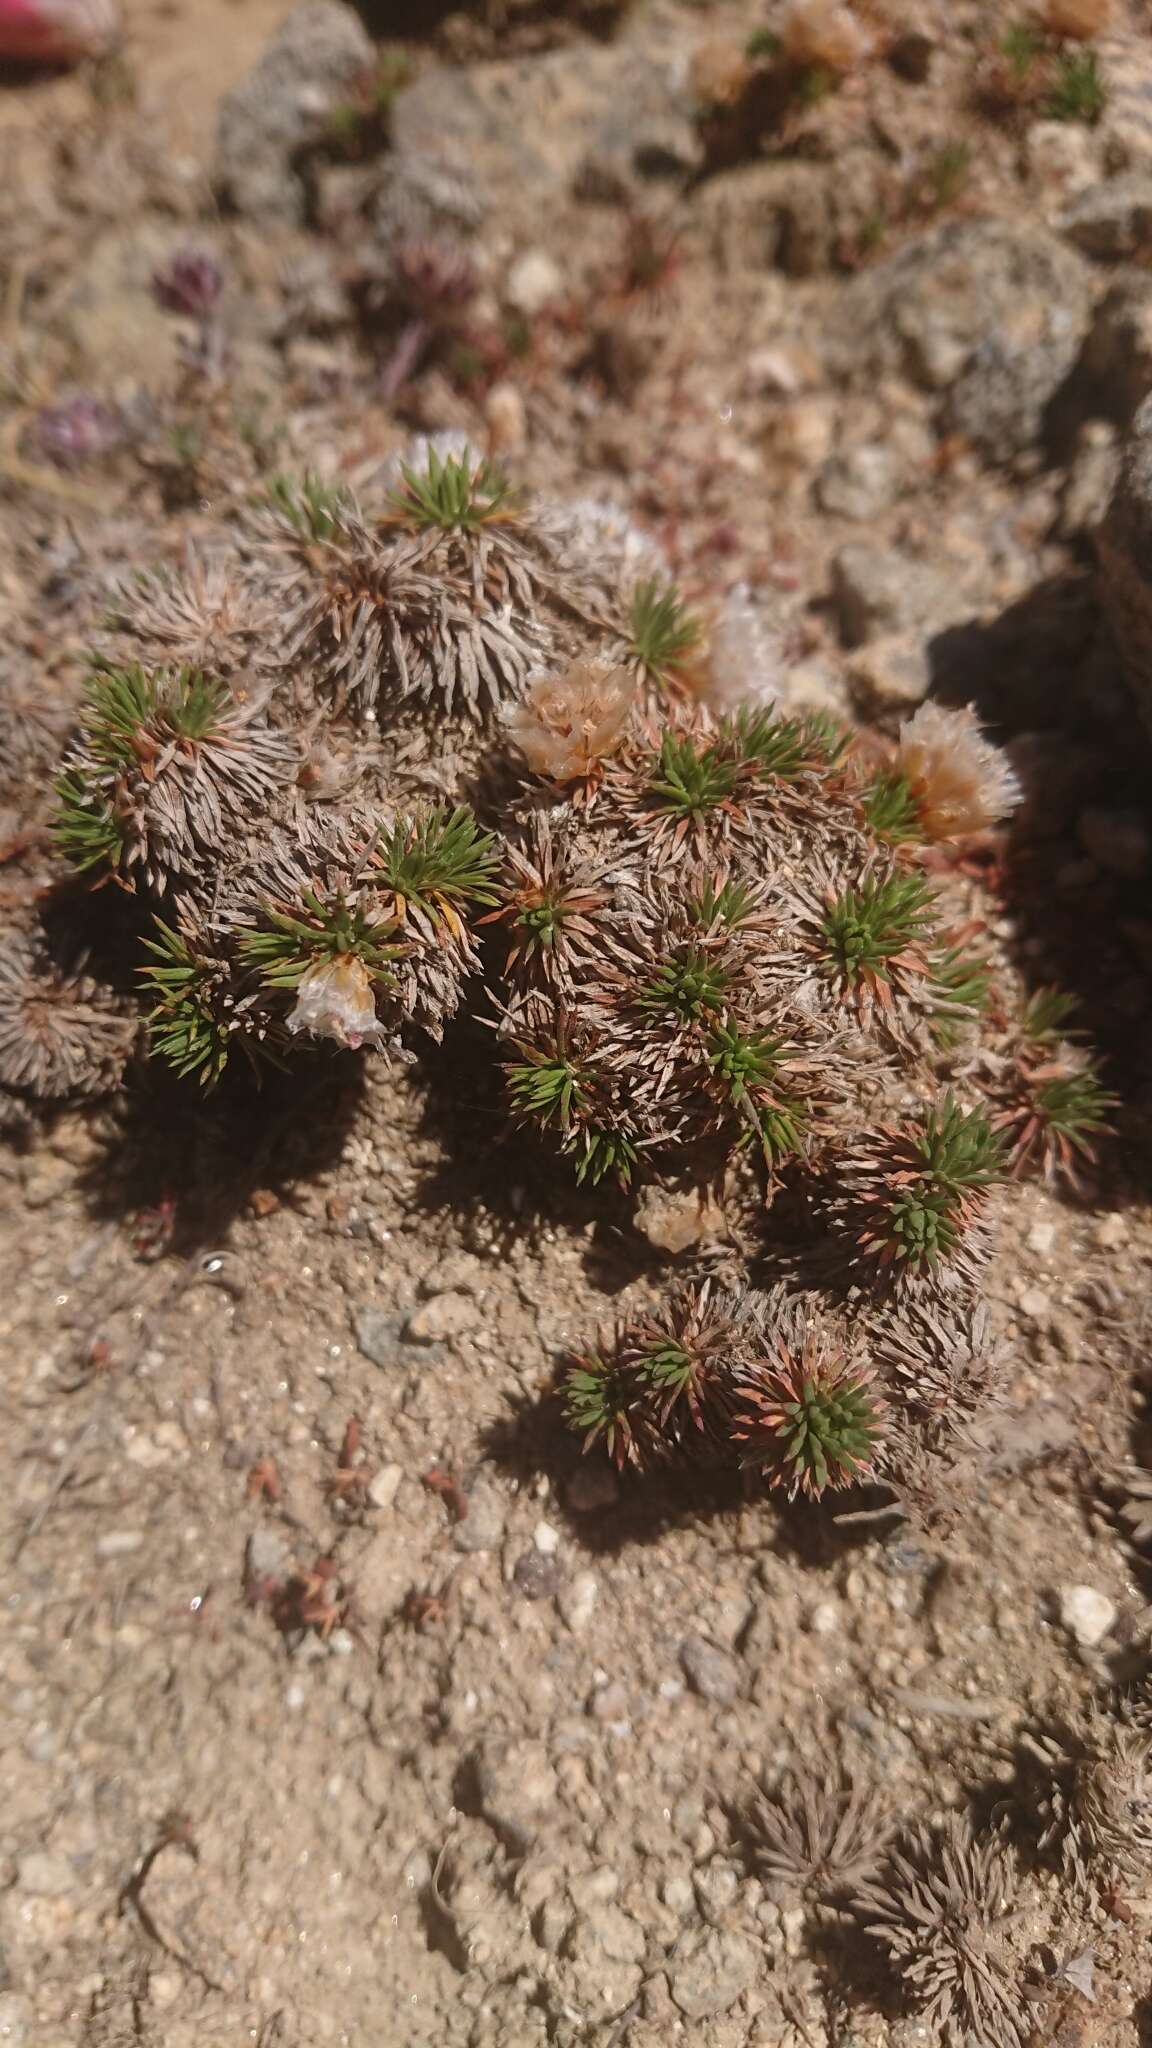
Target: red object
56 31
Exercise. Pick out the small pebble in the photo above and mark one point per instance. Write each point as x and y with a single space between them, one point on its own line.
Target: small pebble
1042 1237
1034 1303
546 1539
1111 1232
1086 1614
119 1542
341 1643
483 1525
376 1333
384 1485
712 1673
533 282
577 1599
535 1576
824 1618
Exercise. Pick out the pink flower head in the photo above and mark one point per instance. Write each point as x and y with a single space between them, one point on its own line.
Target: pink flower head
56 31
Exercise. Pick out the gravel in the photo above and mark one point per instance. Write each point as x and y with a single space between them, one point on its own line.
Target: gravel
517 1787
713 1967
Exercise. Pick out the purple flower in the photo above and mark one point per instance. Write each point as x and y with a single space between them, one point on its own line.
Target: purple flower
81 429
190 283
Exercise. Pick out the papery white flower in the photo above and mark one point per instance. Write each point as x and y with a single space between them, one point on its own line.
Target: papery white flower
603 542
745 655
960 782
335 1000
451 444
571 722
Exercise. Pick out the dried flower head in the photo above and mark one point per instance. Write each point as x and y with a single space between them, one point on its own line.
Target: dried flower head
60 1034
941 1911
820 1835
959 782
167 770
826 33
336 999
1078 19
743 656
569 723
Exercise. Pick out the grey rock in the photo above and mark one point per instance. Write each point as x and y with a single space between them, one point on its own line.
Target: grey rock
321 51
377 1332
1113 222
514 131
890 674
861 483
879 590
1118 841
266 1555
715 1674
988 314
536 1577
45 1875
483 1526
517 1789
713 1968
